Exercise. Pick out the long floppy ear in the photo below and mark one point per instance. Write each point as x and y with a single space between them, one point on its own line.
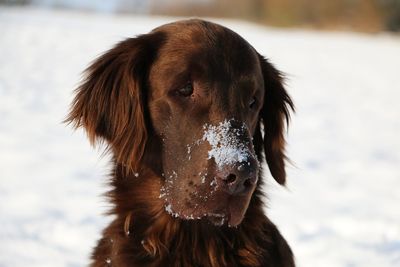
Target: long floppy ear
110 102
273 115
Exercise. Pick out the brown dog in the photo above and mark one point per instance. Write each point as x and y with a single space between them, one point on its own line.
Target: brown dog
187 111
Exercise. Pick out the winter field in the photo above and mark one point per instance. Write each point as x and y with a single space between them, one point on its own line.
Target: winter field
341 205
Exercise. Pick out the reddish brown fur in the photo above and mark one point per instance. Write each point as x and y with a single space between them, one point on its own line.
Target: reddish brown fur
112 105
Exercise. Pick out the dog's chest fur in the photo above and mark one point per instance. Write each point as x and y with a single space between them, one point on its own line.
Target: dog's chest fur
143 234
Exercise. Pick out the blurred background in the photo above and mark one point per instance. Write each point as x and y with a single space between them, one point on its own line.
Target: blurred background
357 15
341 60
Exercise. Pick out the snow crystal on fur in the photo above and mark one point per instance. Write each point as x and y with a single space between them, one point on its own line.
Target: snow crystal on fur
226 147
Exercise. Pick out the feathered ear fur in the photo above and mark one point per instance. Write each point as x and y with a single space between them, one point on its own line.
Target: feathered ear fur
110 103
273 115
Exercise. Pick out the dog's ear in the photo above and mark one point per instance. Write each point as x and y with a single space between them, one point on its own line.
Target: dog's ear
273 115
110 102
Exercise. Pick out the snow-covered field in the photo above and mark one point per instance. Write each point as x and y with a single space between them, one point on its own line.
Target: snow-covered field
341 206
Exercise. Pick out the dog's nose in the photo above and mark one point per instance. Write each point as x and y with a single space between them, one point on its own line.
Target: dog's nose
239 178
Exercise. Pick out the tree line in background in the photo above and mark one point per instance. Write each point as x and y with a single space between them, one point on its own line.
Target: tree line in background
358 15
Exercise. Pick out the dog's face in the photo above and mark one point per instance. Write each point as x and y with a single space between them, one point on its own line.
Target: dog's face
206 89
205 95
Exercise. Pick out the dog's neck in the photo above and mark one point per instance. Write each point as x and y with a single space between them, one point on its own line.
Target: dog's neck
143 227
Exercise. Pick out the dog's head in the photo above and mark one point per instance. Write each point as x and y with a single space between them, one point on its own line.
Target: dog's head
194 102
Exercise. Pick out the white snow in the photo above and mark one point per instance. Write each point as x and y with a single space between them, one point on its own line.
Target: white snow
341 205
226 147
168 209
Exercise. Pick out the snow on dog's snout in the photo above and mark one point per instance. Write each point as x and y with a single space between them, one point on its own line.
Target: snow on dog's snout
226 147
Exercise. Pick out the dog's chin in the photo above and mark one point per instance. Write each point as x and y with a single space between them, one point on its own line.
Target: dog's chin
218 219
230 216
234 212
223 210
237 208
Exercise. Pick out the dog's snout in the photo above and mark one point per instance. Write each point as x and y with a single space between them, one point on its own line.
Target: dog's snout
240 178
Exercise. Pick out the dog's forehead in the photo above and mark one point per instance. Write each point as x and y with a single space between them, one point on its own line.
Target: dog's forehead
208 46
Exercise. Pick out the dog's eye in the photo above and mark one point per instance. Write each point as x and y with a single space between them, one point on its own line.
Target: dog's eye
252 103
187 90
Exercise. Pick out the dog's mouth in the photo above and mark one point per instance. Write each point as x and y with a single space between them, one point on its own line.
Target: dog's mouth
218 219
231 211
237 207
234 212
228 219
